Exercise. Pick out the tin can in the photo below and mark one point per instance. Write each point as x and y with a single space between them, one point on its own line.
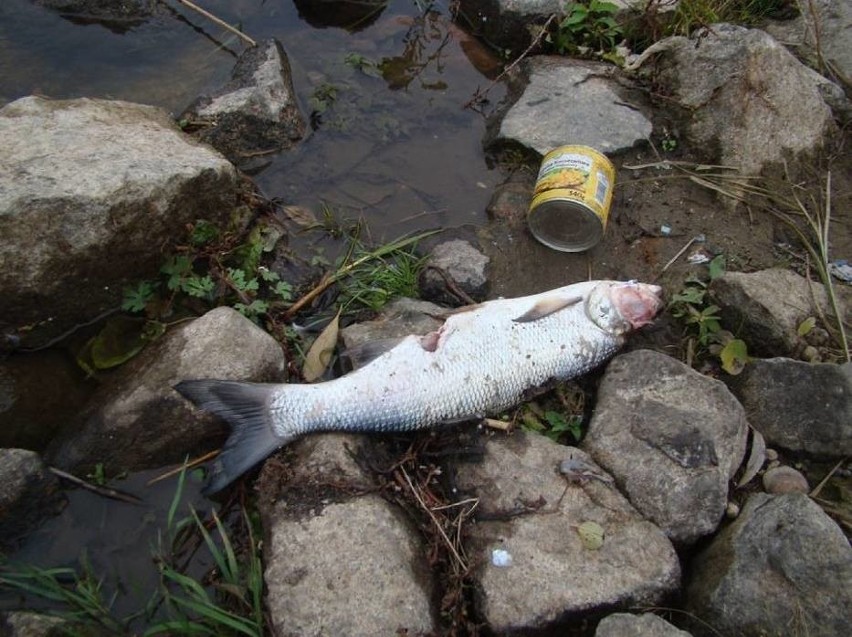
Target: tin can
572 197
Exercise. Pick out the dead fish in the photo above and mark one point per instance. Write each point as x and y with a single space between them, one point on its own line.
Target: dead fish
481 361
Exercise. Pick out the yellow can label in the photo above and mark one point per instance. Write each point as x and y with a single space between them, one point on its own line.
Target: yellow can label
576 173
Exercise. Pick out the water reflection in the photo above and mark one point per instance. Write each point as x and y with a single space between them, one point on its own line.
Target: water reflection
352 15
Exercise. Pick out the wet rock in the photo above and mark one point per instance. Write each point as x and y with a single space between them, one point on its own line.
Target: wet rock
511 200
509 24
805 407
29 493
767 307
784 480
28 624
345 568
399 318
627 625
822 25
136 420
113 13
782 568
741 89
36 393
671 437
255 112
567 99
453 266
527 509
90 191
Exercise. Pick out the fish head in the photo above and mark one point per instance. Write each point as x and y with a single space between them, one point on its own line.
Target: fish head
618 307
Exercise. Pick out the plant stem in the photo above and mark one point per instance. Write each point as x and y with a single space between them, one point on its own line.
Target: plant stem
221 23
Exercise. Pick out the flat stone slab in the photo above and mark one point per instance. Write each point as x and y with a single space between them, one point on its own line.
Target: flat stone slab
572 102
349 568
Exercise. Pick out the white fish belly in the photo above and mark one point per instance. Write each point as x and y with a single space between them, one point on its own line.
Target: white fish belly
484 362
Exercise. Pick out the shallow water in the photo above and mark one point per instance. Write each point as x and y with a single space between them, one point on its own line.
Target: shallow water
401 153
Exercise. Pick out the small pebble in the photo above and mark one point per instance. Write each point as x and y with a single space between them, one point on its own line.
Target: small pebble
784 480
771 455
810 354
773 465
732 510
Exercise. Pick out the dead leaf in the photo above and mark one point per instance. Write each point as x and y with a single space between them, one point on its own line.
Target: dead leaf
755 459
319 356
301 215
734 356
591 535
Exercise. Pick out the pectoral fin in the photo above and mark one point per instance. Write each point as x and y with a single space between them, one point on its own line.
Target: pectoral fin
547 306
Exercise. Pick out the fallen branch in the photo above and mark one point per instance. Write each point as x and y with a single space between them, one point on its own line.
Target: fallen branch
187 465
106 492
220 22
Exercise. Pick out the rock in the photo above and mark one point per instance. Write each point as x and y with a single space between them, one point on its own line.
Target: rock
347 568
671 437
399 318
255 111
740 90
29 493
29 624
822 25
804 407
784 480
527 509
136 420
91 191
465 267
782 568
571 101
35 393
767 307
510 24
646 625
116 15
511 200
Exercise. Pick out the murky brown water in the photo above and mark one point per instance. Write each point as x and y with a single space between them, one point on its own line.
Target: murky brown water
400 152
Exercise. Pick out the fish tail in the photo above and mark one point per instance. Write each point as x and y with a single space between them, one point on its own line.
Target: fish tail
246 408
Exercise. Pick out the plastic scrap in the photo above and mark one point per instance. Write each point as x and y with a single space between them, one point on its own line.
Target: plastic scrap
841 269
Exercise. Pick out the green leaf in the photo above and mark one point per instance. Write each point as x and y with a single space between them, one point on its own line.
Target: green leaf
806 326
136 299
119 340
203 232
734 356
591 535
717 267
177 268
198 286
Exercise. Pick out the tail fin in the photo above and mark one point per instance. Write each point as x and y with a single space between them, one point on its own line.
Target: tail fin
246 407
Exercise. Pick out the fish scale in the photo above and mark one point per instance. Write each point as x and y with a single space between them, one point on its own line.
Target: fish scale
481 361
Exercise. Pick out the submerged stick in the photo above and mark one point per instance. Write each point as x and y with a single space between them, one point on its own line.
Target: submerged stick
106 492
220 22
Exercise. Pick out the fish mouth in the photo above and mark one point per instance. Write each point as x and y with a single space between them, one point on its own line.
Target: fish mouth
638 303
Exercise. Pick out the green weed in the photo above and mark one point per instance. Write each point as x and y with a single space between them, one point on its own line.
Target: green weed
229 602
588 27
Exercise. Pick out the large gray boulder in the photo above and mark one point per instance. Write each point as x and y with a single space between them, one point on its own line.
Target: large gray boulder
740 90
628 625
29 493
782 568
821 34
345 568
90 193
767 307
671 437
532 568
799 406
572 101
136 420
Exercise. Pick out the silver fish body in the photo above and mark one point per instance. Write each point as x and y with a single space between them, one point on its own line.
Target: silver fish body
481 361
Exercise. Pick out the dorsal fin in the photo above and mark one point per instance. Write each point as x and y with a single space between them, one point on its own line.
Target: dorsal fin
547 306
